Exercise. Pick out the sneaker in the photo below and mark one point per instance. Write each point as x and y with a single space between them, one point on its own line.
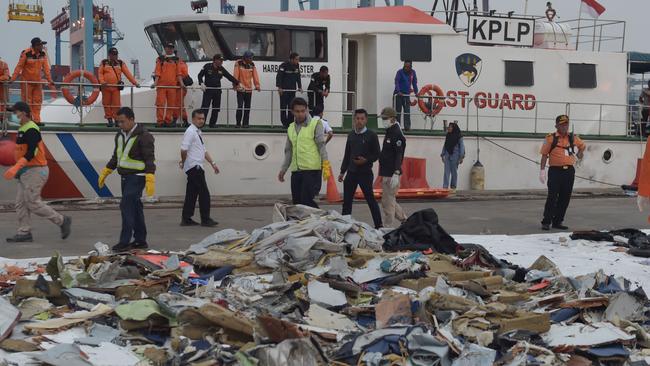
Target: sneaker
65 227
560 227
546 227
139 245
109 122
209 223
189 222
21 238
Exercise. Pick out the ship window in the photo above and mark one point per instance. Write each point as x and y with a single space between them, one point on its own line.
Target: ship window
201 40
582 76
519 73
169 34
155 39
259 41
309 44
415 47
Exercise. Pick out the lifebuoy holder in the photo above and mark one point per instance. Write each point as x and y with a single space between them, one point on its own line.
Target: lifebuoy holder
81 99
435 106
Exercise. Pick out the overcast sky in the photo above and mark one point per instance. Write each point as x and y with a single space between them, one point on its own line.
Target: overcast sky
131 14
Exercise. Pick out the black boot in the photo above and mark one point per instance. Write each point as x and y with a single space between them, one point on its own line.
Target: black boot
185 123
109 122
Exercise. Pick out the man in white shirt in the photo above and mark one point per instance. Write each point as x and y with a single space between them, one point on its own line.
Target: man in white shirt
193 154
318 113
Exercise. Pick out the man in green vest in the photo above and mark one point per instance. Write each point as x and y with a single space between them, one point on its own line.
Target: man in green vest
305 154
133 156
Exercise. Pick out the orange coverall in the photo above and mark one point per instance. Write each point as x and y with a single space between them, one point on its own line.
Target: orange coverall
182 93
4 76
111 73
167 73
29 69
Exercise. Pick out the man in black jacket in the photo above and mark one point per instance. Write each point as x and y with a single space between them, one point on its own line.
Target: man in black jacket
390 166
134 159
319 88
361 150
288 81
213 72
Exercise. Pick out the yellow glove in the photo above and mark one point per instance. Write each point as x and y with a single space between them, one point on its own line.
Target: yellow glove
11 172
102 176
150 185
327 170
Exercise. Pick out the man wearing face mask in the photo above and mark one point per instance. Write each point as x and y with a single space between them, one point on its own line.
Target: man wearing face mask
390 166
361 150
31 173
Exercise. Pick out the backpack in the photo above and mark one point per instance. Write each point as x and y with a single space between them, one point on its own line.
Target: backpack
571 145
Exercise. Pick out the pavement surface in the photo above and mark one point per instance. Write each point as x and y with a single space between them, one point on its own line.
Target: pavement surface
490 215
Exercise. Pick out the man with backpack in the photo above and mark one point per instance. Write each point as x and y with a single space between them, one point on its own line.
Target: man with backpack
561 150
110 77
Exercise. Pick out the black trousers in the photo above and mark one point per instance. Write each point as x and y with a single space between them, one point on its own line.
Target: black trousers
133 225
363 180
285 108
560 186
196 188
315 99
243 108
303 187
211 97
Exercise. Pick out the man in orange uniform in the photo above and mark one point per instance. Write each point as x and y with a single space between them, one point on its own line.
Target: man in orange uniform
559 150
31 172
643 196
246 74
110 74
32 61
4 77
182 92
167 77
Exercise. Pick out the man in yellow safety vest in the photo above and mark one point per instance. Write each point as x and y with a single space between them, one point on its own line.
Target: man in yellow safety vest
133 156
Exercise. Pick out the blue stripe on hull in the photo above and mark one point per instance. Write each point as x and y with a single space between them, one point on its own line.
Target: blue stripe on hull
80 159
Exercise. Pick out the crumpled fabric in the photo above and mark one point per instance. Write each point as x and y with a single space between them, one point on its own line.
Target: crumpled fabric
420 232
290 352
300 244
413 262
221 237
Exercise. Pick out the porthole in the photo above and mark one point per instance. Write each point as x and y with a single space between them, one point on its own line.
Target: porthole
261 151
608 156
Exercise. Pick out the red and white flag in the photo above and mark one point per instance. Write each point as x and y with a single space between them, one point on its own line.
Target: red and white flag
591 8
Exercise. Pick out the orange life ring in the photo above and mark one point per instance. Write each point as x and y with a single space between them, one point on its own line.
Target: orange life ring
437 103
88 76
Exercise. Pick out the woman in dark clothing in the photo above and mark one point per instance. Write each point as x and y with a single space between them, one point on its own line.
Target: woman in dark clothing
453 153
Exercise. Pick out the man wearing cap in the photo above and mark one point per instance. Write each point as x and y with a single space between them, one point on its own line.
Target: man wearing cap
134 158
246 73
32 62
110 77
390 166
31 172
167 78
288 81
559 150
210 82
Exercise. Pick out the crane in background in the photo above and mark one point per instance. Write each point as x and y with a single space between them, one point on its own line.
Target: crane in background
26 11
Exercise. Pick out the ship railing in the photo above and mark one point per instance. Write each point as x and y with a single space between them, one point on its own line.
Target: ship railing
488 114
595 33
480 114
348 98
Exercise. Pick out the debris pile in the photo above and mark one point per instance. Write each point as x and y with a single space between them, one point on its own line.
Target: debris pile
318 288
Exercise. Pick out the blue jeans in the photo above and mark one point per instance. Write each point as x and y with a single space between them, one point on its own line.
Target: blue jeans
451 169
133 224
403 102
